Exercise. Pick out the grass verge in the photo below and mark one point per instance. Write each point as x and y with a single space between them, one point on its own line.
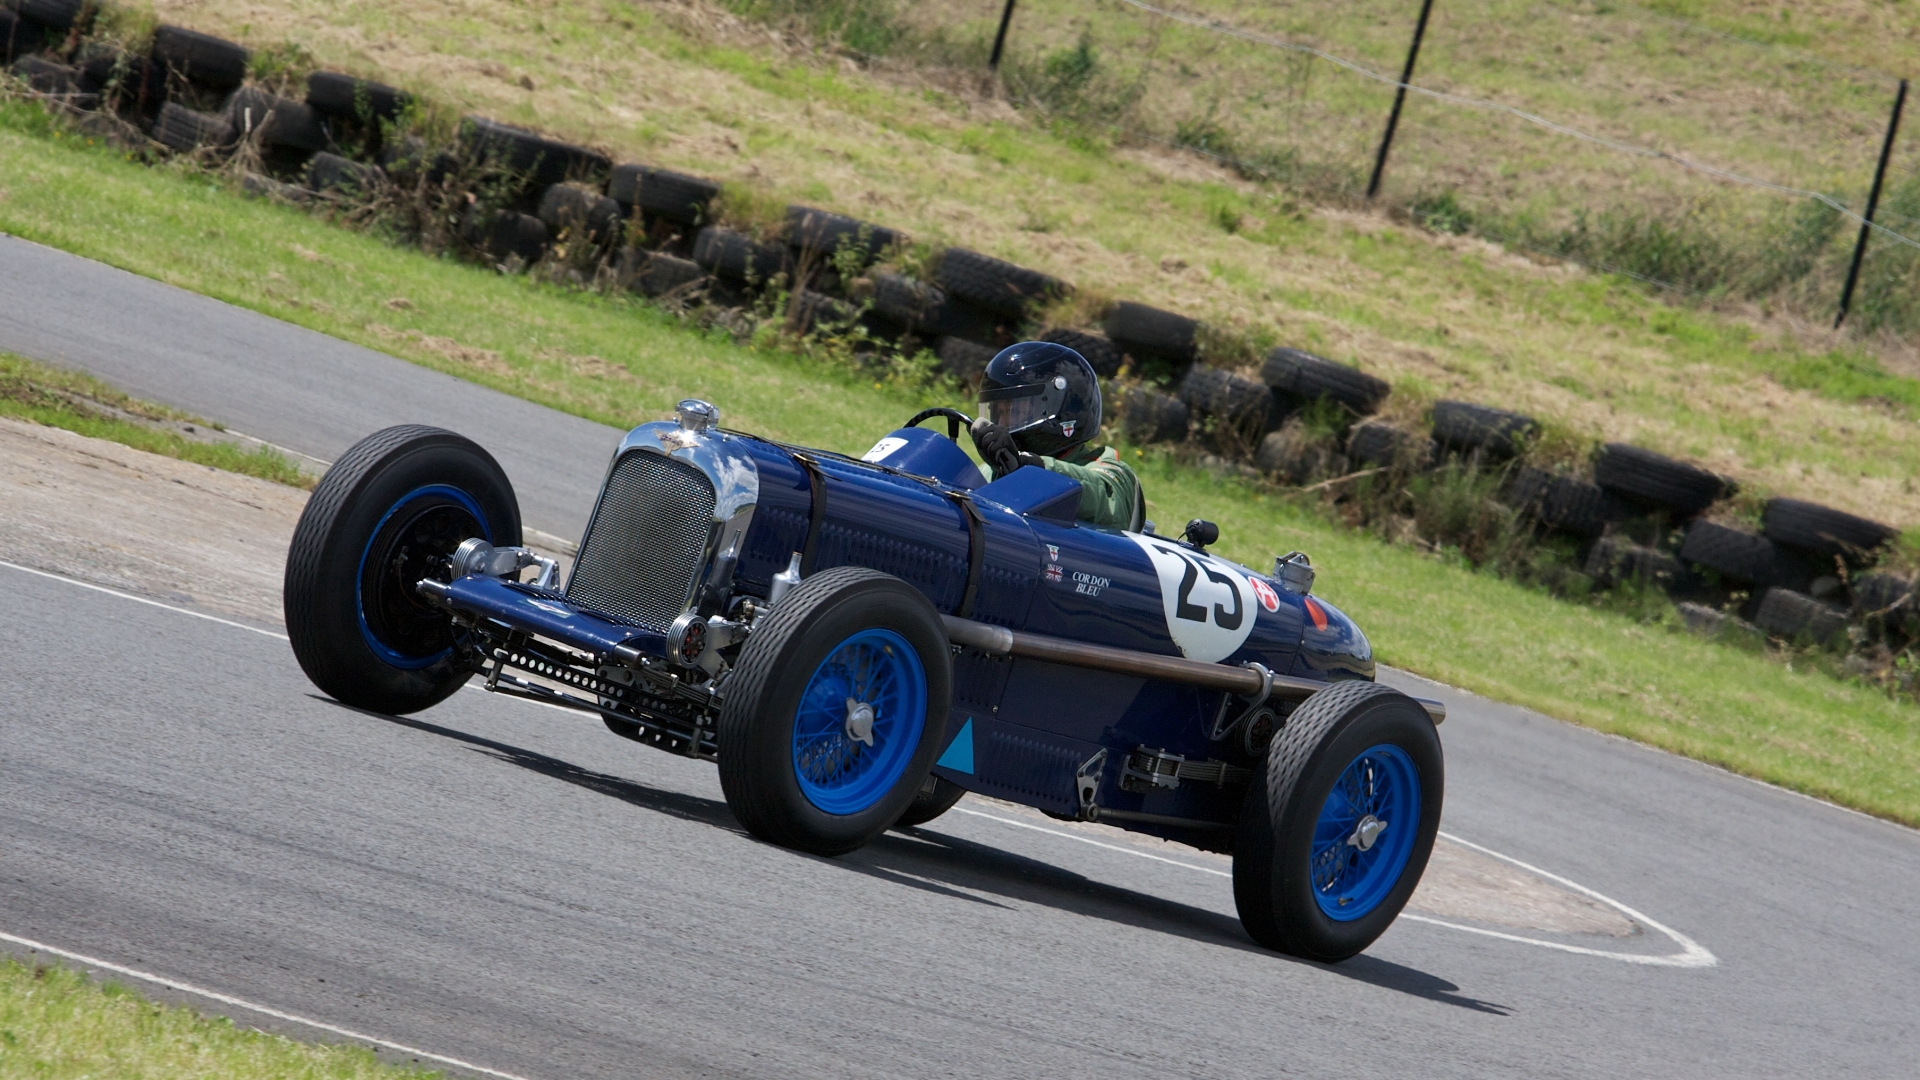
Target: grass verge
55 1024
617 361
86 406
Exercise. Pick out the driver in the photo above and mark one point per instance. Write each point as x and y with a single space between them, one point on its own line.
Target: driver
1040 405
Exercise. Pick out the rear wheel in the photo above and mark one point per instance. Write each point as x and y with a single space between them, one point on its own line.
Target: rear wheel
386 515
1333 843
832 718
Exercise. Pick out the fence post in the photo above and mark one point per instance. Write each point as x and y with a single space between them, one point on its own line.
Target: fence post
1399 98
1000 39
1873 203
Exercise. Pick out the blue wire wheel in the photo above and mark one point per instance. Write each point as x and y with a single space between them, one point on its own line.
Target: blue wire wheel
1365 832
861 717
410 541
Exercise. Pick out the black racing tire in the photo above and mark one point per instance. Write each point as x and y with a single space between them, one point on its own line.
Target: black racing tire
1384 445
651 273
334 94
506 234
1273 871
1151 416
787 654
824 233
1304 377
1100 352
58 16
738 257
200 58
670 196
1734 554
331 172
1795 618
905 301
1234 399
183 130
964 360
532 159
1563 503
1462 425
1657 482
1149 333
937 796
581 213
1824 531
392 504
276 121
995 285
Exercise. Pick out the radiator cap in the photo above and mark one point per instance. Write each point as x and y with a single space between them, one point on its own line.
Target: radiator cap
697 415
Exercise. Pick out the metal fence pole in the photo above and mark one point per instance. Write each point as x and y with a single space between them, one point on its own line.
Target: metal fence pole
1873 203
1000 39
1399 98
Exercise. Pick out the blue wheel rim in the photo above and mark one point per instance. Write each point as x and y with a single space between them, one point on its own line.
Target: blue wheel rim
1380 785
411 500
842 774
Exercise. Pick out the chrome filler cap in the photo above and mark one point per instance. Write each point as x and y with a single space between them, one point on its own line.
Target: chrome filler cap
697 415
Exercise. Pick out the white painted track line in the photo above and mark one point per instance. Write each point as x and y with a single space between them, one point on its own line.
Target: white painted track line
143 600
241 1003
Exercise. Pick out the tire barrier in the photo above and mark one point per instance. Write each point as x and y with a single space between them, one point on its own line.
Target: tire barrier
1805 577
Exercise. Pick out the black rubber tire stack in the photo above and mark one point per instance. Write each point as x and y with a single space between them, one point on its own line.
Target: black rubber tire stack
344 97
1888 605
652 273
54 79
1147 333
1745 558
506 234
1795 618
580 213
995 286
1655 482
964 360
1232 400
410 161
1617 561
133 86
1824 532
49 16
1563 503
1299 378
203 60
658 193
183 130
1100 352
756 722
823 234
1151 416
903 302
1272 886
739 258
1384 445
276 121
328 172
530 162
324 589
1465 427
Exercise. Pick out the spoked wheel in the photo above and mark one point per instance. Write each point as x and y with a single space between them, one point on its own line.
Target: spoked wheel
388 514
1334 841
833 716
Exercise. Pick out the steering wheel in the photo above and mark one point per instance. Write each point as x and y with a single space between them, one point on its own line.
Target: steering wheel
956 420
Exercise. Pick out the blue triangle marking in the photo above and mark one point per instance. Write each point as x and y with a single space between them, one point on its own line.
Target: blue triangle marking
959 755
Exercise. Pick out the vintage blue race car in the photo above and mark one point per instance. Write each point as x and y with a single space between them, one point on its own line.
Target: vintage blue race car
858 642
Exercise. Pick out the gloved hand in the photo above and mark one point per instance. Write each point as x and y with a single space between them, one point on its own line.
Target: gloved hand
996 447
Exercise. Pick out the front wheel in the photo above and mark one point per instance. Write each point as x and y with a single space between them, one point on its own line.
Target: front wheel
834 715
1333 842
386 515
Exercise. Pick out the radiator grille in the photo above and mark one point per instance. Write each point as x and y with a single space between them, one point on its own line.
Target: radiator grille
644 550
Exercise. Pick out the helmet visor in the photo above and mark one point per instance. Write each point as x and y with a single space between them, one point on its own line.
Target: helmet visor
1019 407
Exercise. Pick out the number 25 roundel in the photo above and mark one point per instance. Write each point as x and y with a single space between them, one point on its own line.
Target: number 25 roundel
1209 604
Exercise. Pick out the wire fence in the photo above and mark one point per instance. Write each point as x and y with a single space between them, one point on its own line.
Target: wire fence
1684 156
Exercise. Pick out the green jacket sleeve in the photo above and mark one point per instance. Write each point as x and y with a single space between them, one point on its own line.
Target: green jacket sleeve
1107 488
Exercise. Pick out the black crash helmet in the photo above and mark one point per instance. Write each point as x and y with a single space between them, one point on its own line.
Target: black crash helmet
1045 394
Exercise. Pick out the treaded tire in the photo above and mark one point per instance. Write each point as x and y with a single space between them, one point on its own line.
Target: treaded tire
1235 399
756 731
331 172
344 96
183 130
132 84
936 797
1272 882
995 285
56 15
1615 561
276 121
1822 530
1792 617
1305 377
659 193
1100 352
532 158
17 37
1462 425
824 232
505 234
650 273
1735 554
1563 503
212 62
1151 416
580 213
964 360
1376 442
905 301
325 594
738 257
1150 333
1657 482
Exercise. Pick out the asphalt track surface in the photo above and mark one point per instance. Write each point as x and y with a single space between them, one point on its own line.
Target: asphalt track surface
511 886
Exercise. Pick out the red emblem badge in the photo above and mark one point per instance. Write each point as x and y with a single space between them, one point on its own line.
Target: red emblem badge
1268 598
